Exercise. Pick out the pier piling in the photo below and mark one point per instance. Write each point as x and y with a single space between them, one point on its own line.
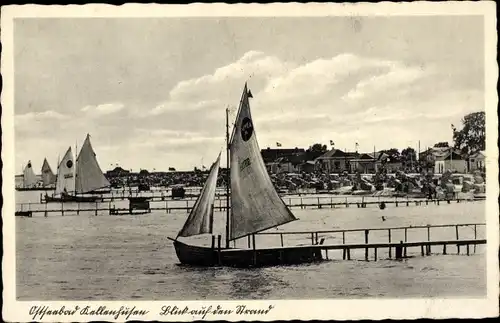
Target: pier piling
390 249
218 249
399 250
366 242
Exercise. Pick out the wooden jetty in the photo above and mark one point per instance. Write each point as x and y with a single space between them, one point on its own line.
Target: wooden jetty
319 249
318 238
187 204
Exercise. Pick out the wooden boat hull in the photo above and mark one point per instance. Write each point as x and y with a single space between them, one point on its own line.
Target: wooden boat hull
35 189
245 258
73 198
101 191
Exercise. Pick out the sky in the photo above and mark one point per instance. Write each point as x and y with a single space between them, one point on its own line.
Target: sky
152 92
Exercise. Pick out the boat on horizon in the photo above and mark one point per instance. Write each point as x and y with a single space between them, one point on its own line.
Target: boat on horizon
30 180
78 181
255 207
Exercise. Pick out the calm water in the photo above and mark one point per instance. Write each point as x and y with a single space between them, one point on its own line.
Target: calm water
128 257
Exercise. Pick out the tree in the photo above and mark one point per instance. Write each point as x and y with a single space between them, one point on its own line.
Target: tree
472 137
393 154
442 144
315 151
409 156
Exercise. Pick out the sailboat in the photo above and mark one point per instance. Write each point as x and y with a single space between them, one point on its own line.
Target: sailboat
48 176
255 206
29 179
75 179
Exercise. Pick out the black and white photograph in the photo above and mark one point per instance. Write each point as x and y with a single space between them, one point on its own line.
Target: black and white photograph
237 162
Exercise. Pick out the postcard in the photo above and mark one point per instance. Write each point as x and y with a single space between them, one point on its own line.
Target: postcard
250 161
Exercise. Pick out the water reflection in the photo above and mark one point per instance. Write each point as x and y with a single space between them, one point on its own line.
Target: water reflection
253 283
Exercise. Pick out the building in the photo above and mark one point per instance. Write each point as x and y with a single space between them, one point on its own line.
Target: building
284 160
451 161
308 166
365 164
336 161
270 155
477 161
117 172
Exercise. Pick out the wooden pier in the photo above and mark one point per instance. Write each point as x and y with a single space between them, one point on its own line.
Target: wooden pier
185 205
470 232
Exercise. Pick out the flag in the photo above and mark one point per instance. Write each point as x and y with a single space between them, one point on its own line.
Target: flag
249 94
332 143
278 144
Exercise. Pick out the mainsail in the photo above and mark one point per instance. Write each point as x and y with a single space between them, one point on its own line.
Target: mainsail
48 177
89 176
200 219
65 182
29 177
255 204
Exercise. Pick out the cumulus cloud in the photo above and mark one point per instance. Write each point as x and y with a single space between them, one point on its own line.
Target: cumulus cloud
395 78
346 98
103 109
39 116
327 98
223 87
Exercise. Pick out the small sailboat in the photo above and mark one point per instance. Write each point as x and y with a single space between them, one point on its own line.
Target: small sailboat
255 206
48 176
30 180
76 179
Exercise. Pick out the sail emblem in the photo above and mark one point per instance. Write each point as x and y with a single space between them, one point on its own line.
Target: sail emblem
29 165
246 129
69 163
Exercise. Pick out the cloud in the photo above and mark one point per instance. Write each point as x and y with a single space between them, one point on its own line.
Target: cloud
103 109
40 116
394 79
343 98
346 98
223 87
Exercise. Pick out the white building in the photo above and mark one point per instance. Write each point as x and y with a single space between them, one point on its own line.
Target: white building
476 161
450 161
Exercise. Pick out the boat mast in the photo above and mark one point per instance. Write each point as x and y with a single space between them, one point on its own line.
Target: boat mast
74 164
227 177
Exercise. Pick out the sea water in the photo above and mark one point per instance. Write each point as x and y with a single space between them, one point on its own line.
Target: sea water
88 257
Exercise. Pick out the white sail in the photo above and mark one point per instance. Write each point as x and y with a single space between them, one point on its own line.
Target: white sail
255 204
65 182
29 177
200 219
89 176
48 177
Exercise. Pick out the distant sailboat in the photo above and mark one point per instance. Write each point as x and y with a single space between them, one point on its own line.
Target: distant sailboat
48 177
255 207
89 176
29 179
85 177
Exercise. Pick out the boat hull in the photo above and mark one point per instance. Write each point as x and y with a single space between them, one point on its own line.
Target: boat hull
73 198
245 258
35 188
107 191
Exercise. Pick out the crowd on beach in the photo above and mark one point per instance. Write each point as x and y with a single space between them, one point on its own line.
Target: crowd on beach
381 183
